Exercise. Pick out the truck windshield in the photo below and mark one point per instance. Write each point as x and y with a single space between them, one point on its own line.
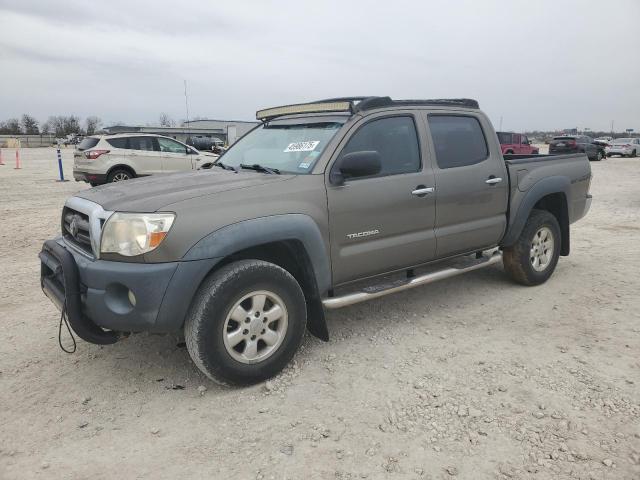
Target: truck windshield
282 146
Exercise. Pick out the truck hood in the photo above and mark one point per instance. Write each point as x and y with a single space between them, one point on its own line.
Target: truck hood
150 194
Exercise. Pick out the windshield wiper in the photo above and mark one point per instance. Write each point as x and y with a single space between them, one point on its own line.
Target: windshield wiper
225 167
260 168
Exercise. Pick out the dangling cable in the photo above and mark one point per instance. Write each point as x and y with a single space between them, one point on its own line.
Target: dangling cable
63 318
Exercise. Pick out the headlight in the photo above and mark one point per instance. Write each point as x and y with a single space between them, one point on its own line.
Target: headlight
131 234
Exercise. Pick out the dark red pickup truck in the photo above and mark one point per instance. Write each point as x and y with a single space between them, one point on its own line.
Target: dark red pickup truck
516 143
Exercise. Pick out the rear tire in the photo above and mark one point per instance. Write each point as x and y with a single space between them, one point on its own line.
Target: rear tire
633 154
246 322
599 156
534 257
120 175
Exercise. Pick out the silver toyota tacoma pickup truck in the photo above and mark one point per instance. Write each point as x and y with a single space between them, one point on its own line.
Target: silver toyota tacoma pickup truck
322 205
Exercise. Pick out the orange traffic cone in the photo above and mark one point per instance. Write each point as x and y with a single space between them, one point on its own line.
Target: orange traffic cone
1 162
17 167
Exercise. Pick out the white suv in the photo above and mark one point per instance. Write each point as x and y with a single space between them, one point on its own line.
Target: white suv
112 158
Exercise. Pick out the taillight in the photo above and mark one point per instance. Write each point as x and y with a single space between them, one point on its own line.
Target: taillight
571 143
93 154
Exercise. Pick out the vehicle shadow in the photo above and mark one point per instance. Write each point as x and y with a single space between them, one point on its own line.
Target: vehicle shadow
155 362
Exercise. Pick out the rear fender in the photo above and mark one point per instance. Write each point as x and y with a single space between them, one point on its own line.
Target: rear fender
543 188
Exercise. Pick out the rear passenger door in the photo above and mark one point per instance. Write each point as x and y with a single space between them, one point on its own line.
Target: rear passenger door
517 143
175 156
471 184
143 156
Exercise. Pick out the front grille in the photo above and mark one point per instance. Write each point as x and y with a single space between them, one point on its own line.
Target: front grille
76 230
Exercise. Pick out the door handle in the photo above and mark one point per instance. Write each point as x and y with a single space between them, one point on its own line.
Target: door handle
493 180
421 191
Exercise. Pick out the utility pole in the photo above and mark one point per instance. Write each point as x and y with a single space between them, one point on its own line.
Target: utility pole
186 104
612 128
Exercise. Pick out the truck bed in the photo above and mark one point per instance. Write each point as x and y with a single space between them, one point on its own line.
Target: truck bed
531 175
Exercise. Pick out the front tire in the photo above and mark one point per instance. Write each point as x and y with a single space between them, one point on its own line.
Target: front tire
246 322
599 156
534 257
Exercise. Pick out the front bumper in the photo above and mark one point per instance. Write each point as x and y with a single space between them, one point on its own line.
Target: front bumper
118 296
89 177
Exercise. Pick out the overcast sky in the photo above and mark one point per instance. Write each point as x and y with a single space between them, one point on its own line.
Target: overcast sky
538 64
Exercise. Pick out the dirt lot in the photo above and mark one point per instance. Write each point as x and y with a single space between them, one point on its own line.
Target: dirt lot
473 378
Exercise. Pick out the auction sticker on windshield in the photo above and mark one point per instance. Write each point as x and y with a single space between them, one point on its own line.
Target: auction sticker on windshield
302 146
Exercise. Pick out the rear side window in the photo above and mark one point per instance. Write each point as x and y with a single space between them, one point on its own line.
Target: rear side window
505 138
118 142
88 142
141 143
458 140
394 138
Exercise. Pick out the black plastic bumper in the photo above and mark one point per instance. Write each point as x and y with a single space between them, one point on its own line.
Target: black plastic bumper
60 282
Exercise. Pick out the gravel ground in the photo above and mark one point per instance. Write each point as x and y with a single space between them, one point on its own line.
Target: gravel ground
472 378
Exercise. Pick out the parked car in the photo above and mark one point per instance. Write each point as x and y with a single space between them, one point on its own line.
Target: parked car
102 159
626 147
516 143
205 143
604 141
576 144
323 205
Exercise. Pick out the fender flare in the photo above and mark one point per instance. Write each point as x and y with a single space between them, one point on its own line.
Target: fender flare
258 231
546 186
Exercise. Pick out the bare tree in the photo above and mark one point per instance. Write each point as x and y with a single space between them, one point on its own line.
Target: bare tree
166 120
12 126
30 125
46 128
93 124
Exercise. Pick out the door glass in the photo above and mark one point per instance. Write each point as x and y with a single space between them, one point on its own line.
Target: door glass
458 140
141 143
396 141
171 146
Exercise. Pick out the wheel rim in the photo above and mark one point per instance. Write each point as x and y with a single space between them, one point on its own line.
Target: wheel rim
255 327
542 247
120 176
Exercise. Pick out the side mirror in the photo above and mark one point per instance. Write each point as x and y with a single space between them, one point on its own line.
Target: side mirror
191 151
356 164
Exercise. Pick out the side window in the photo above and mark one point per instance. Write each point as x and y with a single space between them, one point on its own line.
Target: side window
516 139
118 142
525 140
394 138
171 146
458 140
141 143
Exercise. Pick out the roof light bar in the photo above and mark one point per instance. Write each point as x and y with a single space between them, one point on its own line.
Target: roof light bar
303 108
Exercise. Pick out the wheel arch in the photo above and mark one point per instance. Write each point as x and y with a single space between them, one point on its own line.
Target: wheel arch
291 241
550 194
121 166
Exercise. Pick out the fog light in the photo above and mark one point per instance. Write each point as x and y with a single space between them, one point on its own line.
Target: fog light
132 298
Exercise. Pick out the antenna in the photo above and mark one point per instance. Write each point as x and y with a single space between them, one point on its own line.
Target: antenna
186 104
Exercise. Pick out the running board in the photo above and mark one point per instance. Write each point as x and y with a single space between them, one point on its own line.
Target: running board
374 292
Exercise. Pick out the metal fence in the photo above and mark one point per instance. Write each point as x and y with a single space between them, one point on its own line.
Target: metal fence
12 141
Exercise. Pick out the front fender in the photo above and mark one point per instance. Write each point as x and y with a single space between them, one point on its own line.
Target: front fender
251 233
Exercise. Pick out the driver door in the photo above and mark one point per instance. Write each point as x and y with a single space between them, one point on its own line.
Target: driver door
176 156
382 222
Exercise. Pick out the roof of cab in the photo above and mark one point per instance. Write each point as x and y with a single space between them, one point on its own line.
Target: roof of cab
353 105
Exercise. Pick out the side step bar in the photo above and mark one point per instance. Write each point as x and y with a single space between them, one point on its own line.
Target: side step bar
362 296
